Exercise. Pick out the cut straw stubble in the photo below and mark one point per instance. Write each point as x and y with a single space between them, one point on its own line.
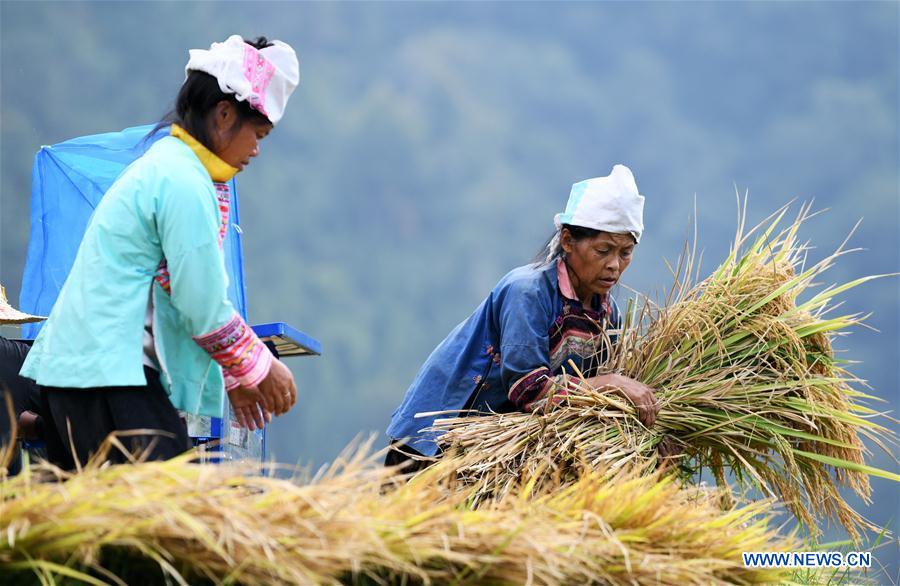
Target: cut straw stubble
357 523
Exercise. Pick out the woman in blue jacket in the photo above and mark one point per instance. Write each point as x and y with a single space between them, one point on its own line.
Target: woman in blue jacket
143 326
512 352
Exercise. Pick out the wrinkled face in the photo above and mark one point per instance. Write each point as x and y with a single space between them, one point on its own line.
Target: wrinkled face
597 263
237 141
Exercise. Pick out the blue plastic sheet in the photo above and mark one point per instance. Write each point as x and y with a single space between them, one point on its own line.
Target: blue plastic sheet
68 181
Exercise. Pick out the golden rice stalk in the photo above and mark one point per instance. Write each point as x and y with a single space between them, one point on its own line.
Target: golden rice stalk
356 523
746 378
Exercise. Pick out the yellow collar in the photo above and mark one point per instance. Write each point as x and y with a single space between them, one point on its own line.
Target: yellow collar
218 169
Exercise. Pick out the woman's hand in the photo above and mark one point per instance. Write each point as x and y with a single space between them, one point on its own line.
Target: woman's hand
279 392
670 452
28 426
249 409
640 395
670 448
254 406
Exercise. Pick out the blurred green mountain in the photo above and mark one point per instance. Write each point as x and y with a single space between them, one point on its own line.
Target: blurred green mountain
430 144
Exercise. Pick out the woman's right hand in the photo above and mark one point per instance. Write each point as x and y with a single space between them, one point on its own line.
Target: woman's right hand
249 410
639 394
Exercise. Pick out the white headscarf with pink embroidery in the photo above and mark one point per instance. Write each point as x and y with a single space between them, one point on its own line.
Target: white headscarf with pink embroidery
265 78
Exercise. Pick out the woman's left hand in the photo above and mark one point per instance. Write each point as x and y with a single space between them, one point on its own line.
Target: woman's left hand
278 389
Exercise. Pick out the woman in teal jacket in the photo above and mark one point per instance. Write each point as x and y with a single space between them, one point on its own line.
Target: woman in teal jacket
143 326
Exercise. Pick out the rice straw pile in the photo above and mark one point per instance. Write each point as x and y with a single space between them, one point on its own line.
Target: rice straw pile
746 379
356 523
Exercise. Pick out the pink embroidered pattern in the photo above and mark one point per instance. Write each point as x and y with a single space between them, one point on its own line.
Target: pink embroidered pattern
230 381
162 276
223 197
258 71
239 351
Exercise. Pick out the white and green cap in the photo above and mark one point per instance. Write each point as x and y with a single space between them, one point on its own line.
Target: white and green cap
610 204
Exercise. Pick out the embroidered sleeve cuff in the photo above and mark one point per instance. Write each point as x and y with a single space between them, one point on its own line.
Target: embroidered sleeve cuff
537 389
529 388
551 394
241 354
230 381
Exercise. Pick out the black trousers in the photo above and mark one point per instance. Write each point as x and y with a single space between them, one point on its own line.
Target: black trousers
401 454
25 394
77 421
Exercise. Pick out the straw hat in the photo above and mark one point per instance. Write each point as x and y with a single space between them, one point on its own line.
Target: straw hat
11 315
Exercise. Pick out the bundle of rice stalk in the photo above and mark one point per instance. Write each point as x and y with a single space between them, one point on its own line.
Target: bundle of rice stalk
196 523
746 378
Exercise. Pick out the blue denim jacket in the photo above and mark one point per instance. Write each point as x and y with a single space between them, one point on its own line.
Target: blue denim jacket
503 356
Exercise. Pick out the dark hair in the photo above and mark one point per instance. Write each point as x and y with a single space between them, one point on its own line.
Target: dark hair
578 233
198 97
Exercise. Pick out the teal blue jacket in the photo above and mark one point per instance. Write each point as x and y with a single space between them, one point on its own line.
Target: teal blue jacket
162 206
